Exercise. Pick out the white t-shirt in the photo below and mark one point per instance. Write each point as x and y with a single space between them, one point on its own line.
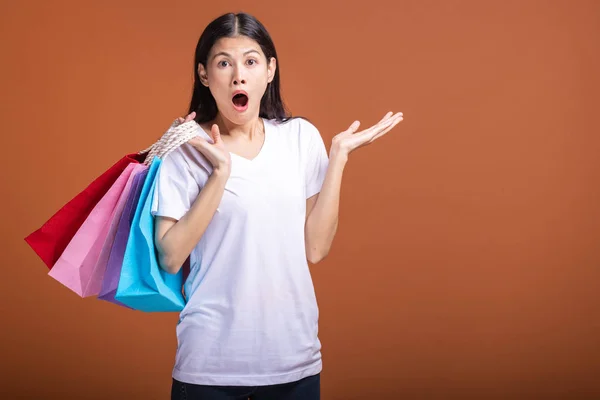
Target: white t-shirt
251 316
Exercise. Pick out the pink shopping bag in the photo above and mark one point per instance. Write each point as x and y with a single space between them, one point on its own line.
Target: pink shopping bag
76 264
97 276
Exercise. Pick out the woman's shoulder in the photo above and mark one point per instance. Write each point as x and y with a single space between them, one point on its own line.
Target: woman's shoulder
292 122
186 158
185 155
298 133
297 128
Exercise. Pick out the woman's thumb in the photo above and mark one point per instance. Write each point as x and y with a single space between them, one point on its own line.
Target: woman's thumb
216 134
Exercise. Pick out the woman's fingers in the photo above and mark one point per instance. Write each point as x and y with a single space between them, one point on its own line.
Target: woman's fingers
392 120
385 116
387 129
381 128
353 127
187 118
215 133
370 130
191 116
383 120
198 141
386 121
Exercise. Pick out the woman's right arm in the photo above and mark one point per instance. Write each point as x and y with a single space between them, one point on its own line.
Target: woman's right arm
174 239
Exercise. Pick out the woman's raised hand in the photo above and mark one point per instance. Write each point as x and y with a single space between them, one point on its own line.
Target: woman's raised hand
215 152
349 140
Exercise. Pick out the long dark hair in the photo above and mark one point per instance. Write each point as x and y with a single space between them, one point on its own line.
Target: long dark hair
233 25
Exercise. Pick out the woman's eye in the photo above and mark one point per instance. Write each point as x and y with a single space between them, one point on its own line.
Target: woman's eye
225 63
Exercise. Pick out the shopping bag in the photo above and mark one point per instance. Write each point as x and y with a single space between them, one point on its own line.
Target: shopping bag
143 284
110 279
107 251
76 263
50 240
99 271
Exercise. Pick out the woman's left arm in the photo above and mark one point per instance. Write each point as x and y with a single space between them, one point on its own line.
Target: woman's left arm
322 209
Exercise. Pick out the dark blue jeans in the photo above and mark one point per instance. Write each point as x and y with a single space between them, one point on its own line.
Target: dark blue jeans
308 388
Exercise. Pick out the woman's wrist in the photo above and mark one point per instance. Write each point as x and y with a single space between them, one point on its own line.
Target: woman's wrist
336 156
221 173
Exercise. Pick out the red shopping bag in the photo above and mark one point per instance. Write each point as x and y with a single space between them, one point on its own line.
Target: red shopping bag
51 239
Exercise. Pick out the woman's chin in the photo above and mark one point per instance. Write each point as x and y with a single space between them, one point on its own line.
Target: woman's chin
241 117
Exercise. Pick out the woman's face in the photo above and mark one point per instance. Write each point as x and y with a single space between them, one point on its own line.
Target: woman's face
237 64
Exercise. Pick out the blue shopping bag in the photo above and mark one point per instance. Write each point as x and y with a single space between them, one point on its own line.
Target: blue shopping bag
143 285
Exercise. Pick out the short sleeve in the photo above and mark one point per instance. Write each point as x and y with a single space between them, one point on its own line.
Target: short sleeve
317 160
175 188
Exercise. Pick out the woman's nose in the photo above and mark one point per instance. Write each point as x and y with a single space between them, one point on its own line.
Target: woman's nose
238 76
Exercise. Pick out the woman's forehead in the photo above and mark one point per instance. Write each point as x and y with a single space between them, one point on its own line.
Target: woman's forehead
235 46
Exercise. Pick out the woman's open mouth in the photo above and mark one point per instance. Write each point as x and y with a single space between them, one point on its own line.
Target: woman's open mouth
240 102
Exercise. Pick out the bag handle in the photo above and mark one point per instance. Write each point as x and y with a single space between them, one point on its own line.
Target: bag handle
175 136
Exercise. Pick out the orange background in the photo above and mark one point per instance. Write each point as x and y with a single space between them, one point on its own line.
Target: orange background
467 263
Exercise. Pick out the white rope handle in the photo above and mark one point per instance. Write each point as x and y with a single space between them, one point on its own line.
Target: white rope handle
174 137
158 144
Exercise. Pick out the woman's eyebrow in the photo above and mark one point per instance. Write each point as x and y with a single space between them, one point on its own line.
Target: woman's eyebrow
223 53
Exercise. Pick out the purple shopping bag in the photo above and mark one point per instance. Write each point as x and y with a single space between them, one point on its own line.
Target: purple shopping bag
110 281
95 281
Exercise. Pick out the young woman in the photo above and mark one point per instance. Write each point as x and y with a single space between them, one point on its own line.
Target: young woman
251 203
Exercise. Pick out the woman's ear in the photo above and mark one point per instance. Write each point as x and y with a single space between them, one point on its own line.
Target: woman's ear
203 75
272 67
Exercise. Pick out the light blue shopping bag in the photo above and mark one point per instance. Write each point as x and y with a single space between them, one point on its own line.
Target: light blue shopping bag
143 285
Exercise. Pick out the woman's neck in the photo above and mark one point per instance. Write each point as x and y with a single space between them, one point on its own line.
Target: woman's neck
247 131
